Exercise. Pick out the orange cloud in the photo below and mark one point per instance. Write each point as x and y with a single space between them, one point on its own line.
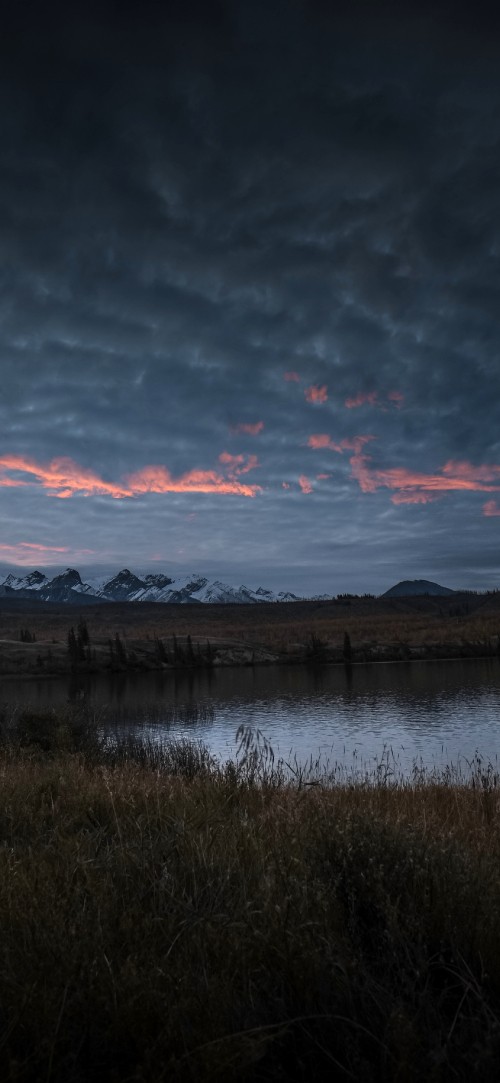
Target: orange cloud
250 430
372 399
157 479
320 440
305 484
64 478
322 477
414 498
491 508
316 395
361 398
238 464
413 487
292 377
285 485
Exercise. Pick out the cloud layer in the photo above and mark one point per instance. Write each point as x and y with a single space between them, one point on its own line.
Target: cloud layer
234 238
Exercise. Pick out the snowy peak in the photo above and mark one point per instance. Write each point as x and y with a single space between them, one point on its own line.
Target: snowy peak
157 582
33 581
122 587
69 578
66 587
126 586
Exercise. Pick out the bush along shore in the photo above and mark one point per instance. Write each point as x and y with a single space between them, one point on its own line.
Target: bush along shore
167 918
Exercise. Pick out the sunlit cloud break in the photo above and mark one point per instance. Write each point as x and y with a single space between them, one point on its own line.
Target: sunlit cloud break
371 398
397 398
491 508
63 478
238 464
34 546
361 399
316 395
248 429
320 440
411 486
22 553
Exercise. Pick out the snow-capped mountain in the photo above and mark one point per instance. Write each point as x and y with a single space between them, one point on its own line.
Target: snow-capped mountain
33 581
126 586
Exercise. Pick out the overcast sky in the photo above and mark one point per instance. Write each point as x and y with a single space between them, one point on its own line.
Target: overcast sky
249 316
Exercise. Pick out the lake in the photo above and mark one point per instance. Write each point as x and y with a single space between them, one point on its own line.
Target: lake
433 713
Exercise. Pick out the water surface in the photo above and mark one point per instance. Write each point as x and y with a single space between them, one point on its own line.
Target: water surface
435 713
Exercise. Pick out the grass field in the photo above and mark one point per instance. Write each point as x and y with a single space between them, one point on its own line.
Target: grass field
167 919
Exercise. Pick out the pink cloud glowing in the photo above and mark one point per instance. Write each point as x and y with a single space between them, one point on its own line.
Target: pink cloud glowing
316 395
61 477
371 398
22 553
238 464
249 429
64 478
361 398
491 508
414 487
321 440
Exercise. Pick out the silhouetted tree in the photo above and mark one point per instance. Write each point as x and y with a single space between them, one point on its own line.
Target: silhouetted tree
347 651
160 651
121 653
73 648
177 651
83 634
190 658
209 654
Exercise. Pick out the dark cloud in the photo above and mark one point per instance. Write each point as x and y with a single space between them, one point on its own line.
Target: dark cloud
198 198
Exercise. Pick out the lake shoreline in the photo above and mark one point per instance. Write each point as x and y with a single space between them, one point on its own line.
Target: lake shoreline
43 638
37 660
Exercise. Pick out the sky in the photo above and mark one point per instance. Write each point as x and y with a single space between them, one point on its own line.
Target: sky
249 315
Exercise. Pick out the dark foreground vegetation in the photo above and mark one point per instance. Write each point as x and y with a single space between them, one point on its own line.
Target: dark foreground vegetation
165 918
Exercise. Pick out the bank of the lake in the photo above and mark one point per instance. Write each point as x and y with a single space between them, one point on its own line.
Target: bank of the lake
44 638
168 918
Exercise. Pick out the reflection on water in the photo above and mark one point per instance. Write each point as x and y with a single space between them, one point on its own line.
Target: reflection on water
433 712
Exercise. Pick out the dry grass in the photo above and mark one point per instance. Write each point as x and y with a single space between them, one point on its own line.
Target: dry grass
163 918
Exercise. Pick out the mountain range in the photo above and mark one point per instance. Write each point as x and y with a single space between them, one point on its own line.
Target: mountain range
125 586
